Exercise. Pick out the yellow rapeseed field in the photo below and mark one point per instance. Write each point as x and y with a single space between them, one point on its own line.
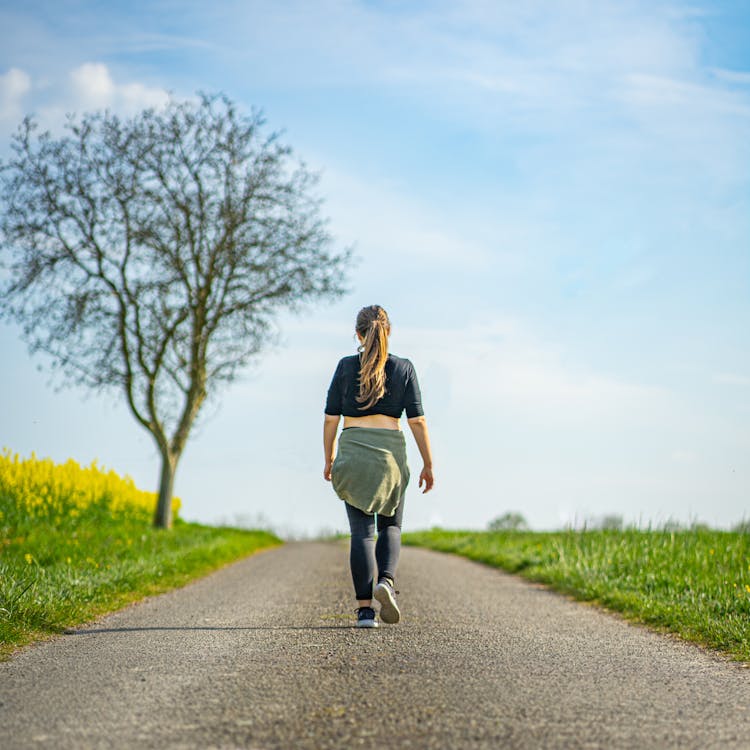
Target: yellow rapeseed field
40 488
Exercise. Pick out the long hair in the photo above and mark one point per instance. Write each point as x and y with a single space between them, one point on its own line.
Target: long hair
374 327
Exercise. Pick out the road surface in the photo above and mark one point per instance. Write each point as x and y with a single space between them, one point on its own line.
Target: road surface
262 654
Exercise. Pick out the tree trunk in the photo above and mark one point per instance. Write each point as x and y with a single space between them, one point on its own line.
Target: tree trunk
163 515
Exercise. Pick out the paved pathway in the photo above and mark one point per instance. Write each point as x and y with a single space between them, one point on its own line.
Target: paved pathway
262 655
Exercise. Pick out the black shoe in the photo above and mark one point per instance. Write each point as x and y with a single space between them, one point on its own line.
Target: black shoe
385 594
366 618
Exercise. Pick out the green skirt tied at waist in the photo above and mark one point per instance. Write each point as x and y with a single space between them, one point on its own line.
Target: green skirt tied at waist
370 471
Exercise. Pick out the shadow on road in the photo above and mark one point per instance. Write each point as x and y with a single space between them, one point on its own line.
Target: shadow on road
92 631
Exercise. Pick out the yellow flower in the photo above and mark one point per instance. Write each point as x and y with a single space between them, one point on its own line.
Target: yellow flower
29 558
41 488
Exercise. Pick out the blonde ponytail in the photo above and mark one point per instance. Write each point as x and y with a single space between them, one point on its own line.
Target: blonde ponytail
374 327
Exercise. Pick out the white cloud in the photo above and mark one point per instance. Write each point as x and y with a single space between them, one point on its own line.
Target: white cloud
393 226
137 96
92 87
89 86
498 366
14 85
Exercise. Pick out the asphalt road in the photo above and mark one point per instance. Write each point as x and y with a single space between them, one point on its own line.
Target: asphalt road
263 654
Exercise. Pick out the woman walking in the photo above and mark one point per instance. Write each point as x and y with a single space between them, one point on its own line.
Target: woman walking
369 472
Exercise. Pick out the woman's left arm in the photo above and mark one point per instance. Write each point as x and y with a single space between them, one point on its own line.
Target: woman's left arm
418 427
330 427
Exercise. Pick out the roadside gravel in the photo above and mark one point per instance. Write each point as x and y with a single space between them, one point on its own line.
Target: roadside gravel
262 654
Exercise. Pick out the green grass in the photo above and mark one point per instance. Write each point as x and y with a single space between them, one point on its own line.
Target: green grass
58 573
693 583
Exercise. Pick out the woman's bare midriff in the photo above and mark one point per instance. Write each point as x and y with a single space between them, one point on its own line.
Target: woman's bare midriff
380 421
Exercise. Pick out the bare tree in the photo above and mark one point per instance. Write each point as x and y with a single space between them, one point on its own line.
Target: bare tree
151 254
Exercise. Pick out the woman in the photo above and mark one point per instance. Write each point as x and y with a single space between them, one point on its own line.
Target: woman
371 390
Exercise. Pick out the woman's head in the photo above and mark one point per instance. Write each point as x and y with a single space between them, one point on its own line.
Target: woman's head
373 329
372 317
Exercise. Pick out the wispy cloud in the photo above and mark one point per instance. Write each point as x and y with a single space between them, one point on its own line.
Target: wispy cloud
395 229
740 77
652 93
731 378
498 365
606 106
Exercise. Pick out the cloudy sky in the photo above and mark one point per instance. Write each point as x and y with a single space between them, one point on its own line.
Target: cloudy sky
551 199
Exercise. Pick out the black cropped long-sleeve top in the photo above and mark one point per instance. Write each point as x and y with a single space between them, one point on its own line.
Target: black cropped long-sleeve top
401 390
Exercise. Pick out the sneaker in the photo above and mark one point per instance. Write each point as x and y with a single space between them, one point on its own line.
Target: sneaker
389 611
366 618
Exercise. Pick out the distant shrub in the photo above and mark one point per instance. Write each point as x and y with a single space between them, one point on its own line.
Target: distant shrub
610 522
510 521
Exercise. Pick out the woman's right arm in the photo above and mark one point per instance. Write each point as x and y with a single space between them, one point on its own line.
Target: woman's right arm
330 427
332 418
418 427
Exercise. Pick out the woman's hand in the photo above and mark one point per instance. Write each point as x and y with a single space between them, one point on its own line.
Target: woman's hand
426 477
327 471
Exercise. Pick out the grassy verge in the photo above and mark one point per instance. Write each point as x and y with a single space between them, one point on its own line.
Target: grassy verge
54 578
76 542
692 583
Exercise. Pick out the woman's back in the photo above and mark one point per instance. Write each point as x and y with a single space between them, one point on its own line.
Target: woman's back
401 390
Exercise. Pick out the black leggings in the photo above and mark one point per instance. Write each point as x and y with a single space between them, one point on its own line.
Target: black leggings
387 549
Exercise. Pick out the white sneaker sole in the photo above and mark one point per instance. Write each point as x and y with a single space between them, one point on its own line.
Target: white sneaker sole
367 623
389 611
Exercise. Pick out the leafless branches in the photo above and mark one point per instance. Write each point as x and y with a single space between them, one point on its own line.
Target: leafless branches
151 254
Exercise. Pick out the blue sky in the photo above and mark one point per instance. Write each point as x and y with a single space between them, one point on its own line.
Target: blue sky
552 200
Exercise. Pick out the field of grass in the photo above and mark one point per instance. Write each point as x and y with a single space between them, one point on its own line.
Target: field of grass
76 542
695 583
